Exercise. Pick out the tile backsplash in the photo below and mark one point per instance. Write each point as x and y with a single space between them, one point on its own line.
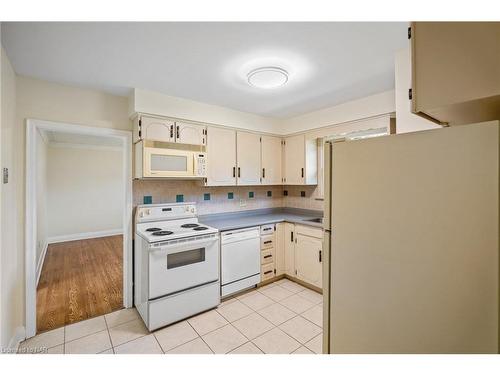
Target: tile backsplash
211 200
306 197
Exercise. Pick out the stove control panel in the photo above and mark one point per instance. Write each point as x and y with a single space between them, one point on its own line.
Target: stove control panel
165 211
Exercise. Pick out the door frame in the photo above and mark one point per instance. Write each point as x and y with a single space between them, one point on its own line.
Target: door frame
32 127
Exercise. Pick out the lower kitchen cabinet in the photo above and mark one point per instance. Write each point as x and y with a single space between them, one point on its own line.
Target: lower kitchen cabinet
294 250
308 254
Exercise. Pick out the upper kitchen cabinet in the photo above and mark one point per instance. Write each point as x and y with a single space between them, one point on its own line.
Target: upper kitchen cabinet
159 129
456 71
153 129
221 154
271 160
301 157
248 158
189 133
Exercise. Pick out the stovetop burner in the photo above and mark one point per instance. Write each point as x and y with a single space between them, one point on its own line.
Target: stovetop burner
162 233
190 225
200 228
153 229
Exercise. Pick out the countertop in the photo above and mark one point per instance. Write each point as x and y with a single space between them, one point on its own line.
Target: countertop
243 219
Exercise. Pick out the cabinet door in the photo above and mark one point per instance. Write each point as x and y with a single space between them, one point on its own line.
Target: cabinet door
221 157
192 134
456 71
279 248
271 160
308 254
289 248
156 129
294 160
248 158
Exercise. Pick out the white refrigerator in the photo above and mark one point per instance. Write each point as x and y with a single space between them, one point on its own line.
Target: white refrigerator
412 242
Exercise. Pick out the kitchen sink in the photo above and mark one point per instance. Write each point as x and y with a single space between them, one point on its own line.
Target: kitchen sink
316 220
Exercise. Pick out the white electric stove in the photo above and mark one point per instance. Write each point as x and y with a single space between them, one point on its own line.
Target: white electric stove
176 264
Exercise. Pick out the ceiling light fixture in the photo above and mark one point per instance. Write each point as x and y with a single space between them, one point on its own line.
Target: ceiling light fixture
267 77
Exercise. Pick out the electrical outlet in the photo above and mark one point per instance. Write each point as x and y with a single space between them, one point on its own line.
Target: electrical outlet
243 202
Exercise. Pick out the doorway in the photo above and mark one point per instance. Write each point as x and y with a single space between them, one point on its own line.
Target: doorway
78 223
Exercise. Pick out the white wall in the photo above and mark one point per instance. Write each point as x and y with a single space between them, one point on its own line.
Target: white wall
84 191
11 252
406 121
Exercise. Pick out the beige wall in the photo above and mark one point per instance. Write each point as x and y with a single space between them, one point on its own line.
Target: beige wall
24 98
370 106
160 104
12 282
84 190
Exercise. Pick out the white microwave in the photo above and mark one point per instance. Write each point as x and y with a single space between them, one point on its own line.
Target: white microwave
165 162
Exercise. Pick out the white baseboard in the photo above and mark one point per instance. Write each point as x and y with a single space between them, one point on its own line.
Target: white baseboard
84 236
39 266
19 335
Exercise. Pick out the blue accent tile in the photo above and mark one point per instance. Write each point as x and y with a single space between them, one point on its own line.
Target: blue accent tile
179 198
230 195
147 199
250 194
206 196
269 193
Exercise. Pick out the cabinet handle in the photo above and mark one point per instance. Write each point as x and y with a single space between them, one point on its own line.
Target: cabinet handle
267 256
302 172
291 236
234 171
171 131
239 172
319 256
177 132
265 273
263 172
266 242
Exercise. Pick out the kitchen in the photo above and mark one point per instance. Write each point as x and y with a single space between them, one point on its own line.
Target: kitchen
263 221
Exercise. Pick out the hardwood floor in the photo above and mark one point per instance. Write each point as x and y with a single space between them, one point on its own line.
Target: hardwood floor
80 280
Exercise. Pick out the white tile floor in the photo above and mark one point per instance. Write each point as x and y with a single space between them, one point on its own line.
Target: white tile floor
282 317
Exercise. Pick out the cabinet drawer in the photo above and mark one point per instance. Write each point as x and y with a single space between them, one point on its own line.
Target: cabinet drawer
309 231
267 229
267 242
266 256
267 271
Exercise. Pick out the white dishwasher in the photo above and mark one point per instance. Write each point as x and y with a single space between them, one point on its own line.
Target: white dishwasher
240 260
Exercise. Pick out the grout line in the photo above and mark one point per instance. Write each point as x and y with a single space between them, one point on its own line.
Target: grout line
156 338
109 335
78 338
206 334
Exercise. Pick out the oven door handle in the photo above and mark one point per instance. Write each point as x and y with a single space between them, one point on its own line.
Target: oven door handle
184 246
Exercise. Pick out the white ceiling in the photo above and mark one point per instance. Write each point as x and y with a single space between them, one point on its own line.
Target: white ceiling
328 63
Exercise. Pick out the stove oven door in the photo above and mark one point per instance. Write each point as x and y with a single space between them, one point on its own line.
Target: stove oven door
183 264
